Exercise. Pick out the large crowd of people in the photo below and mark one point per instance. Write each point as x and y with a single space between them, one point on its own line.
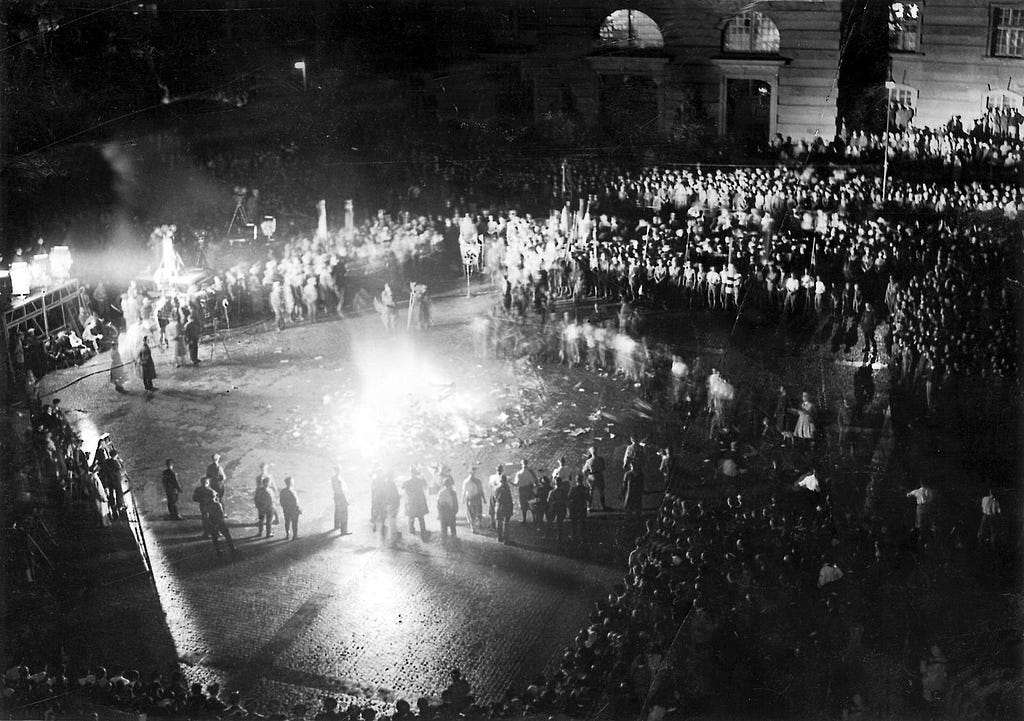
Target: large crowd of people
719 595
918 275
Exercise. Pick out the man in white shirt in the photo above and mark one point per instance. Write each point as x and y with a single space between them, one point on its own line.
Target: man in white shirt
990 512
792 288
819 294
925 499
525 481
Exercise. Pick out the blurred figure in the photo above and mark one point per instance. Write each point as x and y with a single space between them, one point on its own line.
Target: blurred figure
448 509
473 498
118 376
415 488
339 492
990 512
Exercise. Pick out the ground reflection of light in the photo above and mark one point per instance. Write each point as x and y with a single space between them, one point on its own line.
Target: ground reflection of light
178 610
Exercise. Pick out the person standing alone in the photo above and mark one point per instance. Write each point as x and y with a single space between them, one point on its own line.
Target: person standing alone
340 502
193 330
290 508
173 489
146 366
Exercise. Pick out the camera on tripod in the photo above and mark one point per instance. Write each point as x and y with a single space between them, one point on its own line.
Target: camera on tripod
242 227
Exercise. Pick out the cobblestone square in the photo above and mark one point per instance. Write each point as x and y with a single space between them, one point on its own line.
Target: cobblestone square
353 615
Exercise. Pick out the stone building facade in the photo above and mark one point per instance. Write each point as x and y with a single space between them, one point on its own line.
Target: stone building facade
956 57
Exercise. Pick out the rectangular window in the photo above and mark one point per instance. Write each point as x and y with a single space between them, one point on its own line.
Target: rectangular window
1007 26
904 27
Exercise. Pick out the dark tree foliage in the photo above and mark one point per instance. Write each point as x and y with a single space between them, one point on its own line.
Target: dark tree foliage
864 64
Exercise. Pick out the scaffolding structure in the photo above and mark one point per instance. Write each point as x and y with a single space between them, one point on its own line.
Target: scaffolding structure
48 311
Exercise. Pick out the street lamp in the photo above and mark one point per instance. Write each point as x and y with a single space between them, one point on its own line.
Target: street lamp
300 65
889 86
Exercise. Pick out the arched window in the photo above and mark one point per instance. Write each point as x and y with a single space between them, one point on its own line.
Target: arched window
629 30
904 27
751 33
1003 99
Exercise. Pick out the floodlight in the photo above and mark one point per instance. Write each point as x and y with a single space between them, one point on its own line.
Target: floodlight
40 270
21 278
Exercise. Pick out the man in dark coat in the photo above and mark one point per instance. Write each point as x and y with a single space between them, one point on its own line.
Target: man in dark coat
290 508
558 500
173 489
193 330
579 500
112 475
218 526
204 496
340 502
448 509
416 500
503 509
633 490
146 367
868 325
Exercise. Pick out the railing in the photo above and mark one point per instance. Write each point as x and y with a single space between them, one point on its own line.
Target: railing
135 523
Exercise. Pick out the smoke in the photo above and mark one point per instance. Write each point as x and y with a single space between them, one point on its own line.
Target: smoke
154 182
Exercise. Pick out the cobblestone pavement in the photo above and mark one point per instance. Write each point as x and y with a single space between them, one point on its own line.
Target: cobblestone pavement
351 615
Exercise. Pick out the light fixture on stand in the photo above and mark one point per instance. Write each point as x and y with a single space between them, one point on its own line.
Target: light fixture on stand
21 278
40 270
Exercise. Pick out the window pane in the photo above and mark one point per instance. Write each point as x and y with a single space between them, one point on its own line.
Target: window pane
751 32
630 29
